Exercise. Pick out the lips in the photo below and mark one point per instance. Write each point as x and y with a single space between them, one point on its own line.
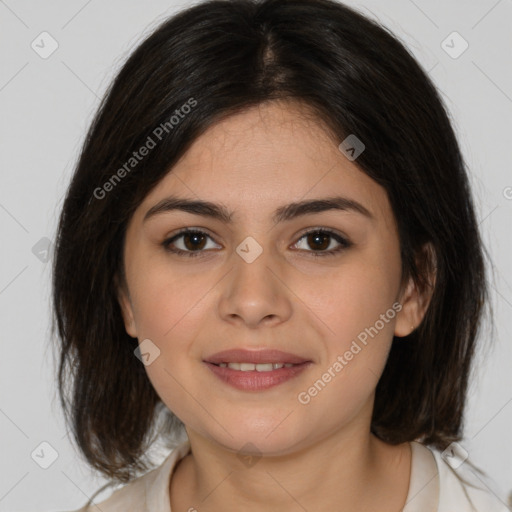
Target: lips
254 357
255 370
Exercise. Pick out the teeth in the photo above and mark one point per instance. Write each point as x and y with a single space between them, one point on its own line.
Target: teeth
260 367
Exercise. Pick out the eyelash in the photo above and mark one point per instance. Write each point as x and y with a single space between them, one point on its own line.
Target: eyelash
344 243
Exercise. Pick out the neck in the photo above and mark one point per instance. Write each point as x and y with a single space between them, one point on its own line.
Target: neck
345 471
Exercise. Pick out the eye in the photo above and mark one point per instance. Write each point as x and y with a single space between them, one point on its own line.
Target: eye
321 239
192 243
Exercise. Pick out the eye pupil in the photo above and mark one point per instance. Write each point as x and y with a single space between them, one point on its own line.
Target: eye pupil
195 236
313 239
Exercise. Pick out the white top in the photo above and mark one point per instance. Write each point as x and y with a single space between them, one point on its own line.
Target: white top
434 487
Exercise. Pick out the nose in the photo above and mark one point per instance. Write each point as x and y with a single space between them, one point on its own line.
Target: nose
255 293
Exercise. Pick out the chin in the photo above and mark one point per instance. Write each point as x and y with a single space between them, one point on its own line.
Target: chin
269 436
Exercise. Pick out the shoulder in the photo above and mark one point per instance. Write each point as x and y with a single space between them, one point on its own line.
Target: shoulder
130 496
147 492
463 487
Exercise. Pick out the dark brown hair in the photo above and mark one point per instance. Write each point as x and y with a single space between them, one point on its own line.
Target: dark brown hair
222 57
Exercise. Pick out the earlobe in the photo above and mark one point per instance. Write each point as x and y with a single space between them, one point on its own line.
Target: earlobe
415 299
126 309
411 314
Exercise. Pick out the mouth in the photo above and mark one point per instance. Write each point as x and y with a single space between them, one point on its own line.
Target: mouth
259 357
251 370
260 367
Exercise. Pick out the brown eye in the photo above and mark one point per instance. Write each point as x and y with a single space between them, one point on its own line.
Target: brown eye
192 243
320 240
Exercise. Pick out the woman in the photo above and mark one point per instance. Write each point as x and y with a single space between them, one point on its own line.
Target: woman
269 242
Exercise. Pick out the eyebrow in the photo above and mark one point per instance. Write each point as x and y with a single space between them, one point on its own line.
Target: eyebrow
282 214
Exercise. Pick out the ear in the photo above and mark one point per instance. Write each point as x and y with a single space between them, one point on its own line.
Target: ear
415 298
126 305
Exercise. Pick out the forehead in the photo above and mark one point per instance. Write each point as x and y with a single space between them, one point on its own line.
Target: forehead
272 136
268 155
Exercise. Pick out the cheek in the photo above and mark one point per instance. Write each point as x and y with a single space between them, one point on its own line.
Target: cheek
169 311
353 297
357 308
165 300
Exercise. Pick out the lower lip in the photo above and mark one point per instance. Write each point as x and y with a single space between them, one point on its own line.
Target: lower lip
256 381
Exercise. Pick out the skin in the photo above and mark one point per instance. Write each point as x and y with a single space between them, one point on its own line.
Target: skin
319 456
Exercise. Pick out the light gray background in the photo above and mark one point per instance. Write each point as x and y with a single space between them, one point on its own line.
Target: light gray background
46 106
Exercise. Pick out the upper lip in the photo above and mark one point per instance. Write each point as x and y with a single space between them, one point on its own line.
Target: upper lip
240 355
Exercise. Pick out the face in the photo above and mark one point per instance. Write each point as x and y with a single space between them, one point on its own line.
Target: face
316 291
